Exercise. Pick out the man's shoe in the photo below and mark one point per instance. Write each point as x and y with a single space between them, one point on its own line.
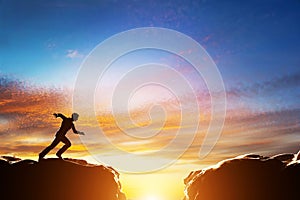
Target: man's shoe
40 158
59 156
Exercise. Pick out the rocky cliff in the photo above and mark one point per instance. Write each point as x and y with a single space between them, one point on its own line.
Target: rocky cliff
57 179
247 177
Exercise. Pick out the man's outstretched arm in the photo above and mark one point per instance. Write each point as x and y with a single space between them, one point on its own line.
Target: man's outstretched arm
59 115
75 131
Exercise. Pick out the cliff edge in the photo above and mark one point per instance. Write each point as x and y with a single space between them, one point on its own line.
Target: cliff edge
247 177
57 179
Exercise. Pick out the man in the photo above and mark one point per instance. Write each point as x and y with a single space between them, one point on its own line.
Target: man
60 136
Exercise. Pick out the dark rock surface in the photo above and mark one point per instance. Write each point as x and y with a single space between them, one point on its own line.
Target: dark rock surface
55 179
250 177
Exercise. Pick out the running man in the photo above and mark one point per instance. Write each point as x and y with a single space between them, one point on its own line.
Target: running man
60 136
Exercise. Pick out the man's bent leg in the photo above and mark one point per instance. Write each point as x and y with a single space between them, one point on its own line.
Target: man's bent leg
49 148
67 142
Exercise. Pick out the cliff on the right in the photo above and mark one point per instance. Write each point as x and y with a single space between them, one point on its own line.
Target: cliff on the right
247 177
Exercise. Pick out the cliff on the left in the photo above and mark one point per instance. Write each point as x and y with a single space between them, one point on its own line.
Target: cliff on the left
58 179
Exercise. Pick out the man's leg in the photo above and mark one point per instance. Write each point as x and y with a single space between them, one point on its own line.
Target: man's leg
49 148
67 142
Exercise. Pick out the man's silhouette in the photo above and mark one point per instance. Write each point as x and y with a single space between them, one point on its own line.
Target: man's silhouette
60 136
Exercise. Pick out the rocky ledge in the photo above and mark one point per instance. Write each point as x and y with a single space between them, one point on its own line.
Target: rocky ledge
58 179
247 177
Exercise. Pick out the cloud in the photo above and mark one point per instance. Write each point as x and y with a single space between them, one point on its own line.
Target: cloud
285 82
72 53
26 120
26 112
27 106
251 132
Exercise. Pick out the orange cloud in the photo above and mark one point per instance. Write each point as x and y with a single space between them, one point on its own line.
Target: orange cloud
26 112
27 125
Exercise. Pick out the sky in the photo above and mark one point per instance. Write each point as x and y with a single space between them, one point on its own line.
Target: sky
255 46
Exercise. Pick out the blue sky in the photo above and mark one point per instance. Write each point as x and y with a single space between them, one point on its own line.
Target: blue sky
248 39
252 42
255 44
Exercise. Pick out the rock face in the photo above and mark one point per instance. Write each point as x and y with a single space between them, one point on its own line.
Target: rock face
55 179
247 177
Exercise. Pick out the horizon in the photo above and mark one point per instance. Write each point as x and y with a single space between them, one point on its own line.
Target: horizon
254 46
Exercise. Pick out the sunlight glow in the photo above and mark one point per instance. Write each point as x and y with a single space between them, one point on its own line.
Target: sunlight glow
153 198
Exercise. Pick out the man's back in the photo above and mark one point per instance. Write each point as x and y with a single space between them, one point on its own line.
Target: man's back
65 126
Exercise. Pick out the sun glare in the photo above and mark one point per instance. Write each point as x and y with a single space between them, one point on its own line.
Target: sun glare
153 198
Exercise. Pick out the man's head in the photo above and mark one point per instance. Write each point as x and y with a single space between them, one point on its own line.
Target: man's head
75 116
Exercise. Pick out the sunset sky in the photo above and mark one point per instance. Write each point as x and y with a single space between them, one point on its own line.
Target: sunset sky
254 44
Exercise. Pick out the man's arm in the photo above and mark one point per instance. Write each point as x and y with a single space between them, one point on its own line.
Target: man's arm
74 129
77 132
59 115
